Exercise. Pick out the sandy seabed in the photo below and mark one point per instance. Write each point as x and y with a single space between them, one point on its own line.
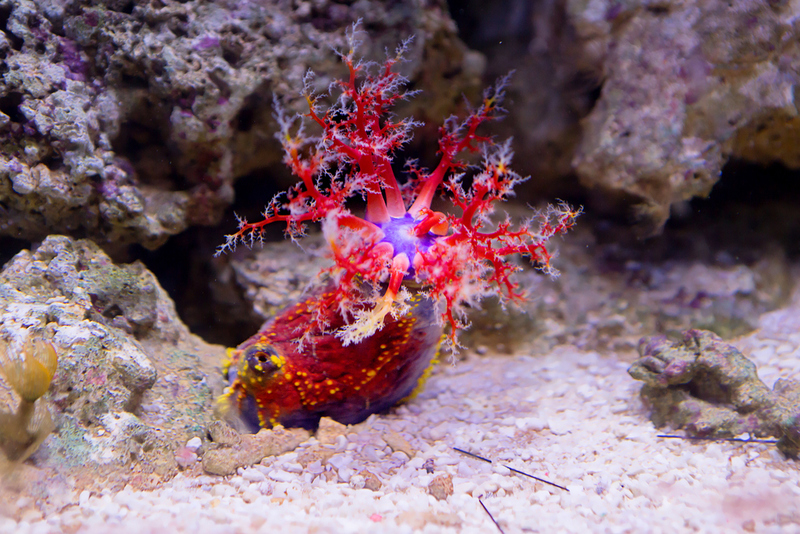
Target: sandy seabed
569 416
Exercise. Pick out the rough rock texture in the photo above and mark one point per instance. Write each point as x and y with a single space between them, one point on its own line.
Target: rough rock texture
643 99
711 389
686 86
132 383
129 121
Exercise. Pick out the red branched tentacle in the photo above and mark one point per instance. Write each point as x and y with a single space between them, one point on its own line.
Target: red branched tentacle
376 205
457 263
394 196
351 222
434 222
456 140
351 153
397 272
305 170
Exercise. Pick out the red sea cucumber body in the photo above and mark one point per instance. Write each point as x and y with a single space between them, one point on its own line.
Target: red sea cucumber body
401 271
274 379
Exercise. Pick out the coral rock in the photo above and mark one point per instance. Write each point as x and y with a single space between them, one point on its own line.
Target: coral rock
120 397
129 122
708 387
685 88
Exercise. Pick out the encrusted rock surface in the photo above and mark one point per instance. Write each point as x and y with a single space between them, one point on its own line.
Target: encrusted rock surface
132 383
711 389
645 100
686 87
130 121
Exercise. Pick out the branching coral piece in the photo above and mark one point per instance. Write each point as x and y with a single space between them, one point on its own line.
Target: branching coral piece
455 260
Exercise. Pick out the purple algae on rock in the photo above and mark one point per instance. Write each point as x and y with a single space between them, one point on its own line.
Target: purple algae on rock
710 389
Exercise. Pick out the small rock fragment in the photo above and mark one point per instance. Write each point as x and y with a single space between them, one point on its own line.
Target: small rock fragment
329 431
441 486
371 480
250 449
398 443
702 384
185 457
314 454
357 481
429 466
330 476
223 434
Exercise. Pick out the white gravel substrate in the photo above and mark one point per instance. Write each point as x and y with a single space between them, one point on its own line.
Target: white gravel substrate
569 416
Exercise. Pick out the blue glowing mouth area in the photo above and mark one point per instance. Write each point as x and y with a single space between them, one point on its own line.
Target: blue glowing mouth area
399 232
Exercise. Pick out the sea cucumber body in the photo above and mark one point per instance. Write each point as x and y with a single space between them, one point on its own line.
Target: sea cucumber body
274 380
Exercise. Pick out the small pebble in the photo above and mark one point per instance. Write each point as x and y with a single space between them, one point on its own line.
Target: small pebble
371 481
279 475
185 457
253 475
441 486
